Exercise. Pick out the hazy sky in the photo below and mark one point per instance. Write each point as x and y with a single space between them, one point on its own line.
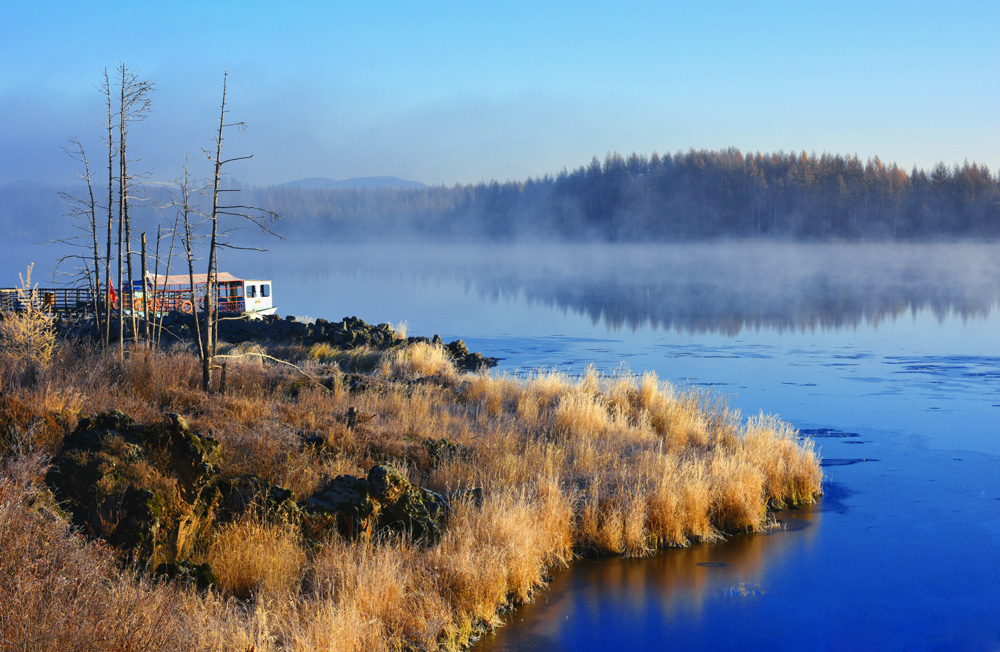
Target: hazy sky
446 92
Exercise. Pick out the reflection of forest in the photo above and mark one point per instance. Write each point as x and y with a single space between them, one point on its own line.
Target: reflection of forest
728 288
697 288
693 306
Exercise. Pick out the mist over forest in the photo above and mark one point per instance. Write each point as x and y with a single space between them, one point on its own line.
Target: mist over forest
697 195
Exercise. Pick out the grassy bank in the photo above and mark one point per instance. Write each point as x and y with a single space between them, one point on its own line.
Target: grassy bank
617 464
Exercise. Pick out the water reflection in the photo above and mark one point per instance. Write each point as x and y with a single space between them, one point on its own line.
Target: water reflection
722 289
642 602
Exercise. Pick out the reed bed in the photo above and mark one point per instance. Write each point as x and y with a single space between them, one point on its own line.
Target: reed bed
595 465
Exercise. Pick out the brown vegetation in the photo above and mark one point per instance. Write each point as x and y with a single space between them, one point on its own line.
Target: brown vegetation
595 465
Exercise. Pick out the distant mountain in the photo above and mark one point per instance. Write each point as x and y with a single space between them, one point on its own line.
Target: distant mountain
357 183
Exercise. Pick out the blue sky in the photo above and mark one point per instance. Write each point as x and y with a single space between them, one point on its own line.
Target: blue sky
446 92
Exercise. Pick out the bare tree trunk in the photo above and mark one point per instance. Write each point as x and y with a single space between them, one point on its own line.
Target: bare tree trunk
85 209
146 298
121 287
135 104
210 307
258 216
188 243
123 182
106 89
158 329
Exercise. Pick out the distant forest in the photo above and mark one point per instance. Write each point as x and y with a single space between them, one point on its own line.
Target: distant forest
685 196
696 195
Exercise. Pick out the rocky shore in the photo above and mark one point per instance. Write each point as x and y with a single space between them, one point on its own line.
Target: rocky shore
348 333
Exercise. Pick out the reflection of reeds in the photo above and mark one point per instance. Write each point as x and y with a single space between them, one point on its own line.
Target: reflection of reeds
610 465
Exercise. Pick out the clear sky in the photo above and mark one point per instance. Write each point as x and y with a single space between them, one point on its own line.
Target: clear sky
446 92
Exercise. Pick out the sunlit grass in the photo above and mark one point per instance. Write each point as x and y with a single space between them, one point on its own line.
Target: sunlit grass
618 464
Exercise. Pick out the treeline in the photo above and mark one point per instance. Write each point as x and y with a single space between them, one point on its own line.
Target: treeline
684 196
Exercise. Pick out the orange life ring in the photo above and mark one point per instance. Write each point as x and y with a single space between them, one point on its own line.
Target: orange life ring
187 306
138 304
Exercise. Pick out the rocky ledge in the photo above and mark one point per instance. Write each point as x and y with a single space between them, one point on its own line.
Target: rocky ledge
348 333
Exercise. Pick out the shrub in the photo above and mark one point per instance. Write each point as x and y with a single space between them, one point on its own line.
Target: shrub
26 331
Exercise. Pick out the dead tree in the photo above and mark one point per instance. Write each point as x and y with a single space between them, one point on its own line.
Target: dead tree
185 214
135 104
105 88
84 210
258 216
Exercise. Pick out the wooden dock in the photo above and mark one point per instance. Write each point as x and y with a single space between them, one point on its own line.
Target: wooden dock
47 299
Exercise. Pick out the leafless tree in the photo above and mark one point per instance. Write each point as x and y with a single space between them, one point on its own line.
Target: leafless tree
254 215
109 124
186 228
84 209
134 105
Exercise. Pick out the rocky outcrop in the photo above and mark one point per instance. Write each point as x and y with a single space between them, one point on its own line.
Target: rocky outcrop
349 333
385 501
147 490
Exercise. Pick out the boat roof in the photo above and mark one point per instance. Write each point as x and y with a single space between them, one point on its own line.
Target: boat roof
185 279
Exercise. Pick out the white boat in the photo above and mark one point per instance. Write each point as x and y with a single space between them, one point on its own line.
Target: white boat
233 295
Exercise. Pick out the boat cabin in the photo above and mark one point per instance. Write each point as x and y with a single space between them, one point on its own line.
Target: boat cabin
232 294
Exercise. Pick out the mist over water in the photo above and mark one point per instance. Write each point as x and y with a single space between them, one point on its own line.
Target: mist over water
694 288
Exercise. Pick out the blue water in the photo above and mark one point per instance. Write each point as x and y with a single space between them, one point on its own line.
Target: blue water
888 358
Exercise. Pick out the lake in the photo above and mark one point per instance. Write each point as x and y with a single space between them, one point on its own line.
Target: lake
889 357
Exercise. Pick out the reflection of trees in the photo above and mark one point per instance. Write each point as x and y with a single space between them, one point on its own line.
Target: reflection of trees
698 307
726 289
692 288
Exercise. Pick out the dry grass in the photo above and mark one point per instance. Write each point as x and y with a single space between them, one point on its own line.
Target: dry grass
27 334
418 361
251 557
570 466
59 592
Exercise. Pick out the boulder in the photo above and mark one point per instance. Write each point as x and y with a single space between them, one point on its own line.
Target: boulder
239 494
385 501
146 490
200 575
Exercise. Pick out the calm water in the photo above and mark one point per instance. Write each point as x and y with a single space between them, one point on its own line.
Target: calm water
890 358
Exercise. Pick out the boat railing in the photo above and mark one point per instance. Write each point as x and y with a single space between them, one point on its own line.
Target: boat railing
79 299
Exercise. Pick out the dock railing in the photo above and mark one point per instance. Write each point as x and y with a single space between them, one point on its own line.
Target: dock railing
59 300
48 299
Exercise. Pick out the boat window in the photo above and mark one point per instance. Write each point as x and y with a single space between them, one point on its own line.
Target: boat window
265 290
251 291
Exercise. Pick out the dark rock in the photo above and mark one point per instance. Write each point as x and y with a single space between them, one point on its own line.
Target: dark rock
385 501
201 575
440 449
243 493
474 495
350 332
144 489
345 498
